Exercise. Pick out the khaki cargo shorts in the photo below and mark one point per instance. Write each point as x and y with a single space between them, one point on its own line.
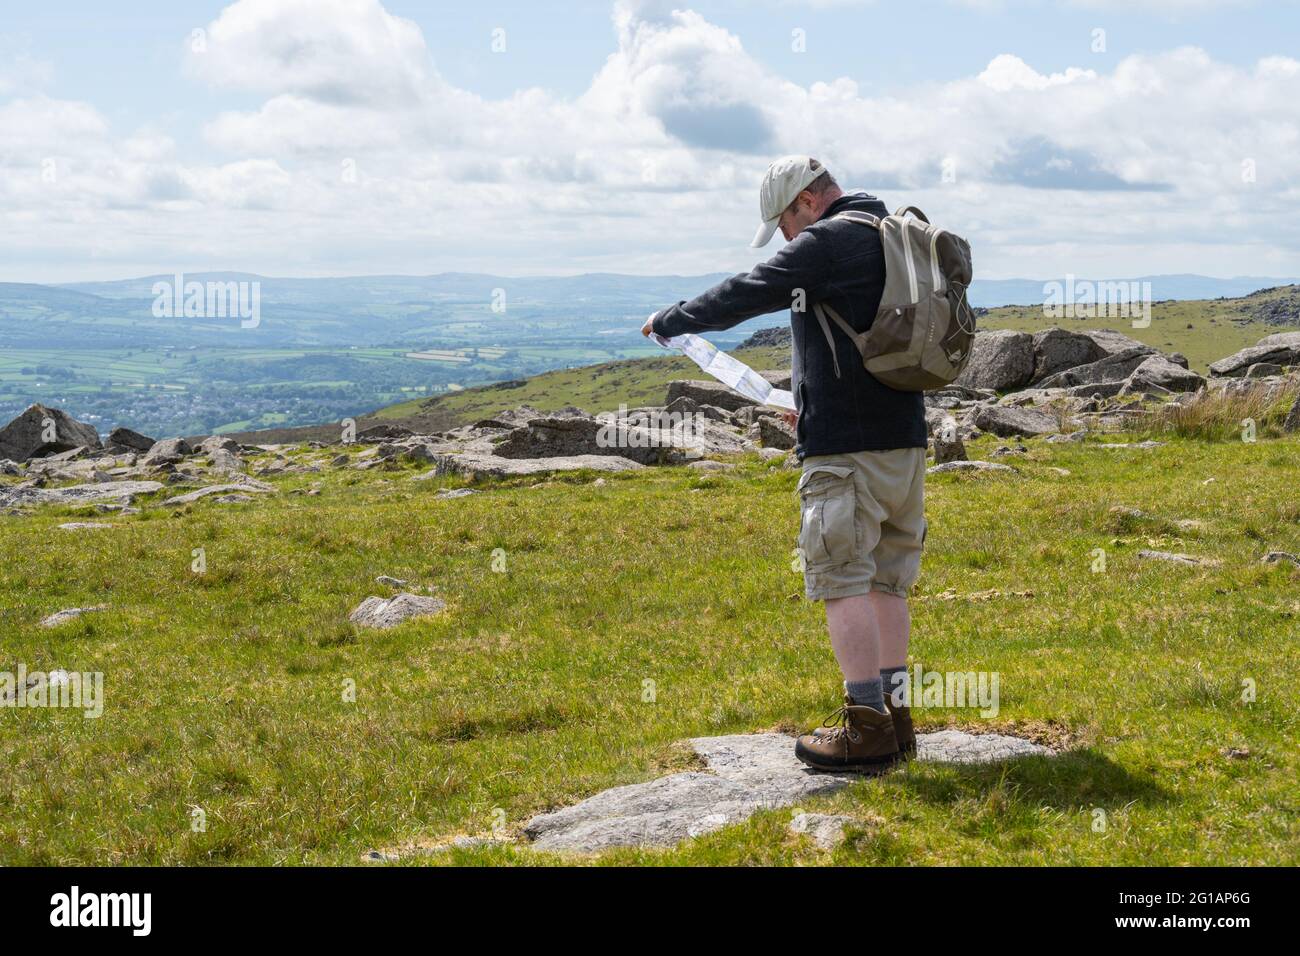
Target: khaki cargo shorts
863 522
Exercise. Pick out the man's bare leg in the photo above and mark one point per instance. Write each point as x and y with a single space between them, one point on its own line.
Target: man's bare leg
855 638
894 622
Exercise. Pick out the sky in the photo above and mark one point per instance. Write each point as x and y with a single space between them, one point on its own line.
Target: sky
349 137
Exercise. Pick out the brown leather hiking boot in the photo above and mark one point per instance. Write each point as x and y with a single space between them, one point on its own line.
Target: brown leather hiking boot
903 731
854 738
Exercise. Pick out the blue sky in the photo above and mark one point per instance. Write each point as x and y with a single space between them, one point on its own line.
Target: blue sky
626 137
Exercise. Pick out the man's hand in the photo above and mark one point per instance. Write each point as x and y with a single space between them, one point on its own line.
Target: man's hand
791 418
649 325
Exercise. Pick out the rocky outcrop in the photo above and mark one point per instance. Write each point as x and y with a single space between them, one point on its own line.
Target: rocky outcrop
1115 367
707 393
41 430
1001 360
1281 348
122 492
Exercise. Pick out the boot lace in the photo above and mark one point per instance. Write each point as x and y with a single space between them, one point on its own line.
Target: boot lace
839 725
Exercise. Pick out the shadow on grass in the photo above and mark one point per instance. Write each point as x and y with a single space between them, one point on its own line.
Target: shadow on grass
1072 780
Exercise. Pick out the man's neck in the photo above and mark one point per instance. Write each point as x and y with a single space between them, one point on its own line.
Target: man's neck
830 199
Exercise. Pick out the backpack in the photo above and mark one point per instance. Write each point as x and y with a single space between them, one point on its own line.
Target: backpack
923 331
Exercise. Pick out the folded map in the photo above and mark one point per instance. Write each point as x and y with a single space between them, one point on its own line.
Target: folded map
727 370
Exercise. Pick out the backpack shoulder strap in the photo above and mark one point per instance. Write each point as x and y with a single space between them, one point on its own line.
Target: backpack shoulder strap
904 210
861 218
859 339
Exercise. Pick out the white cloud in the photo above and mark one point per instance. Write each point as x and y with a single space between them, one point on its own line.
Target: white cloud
362 157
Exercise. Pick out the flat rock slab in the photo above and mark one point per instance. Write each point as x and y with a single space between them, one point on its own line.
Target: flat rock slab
190 496
477 466
69 614
121 491
746 773
948 466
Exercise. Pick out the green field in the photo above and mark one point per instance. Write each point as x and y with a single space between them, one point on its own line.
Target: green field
225 690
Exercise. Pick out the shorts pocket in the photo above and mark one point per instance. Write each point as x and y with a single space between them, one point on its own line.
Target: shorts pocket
827 531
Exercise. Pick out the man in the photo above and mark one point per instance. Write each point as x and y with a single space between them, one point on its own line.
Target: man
862 445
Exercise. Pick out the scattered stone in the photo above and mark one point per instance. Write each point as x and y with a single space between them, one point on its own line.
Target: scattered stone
1002 451
390 582
40 431
234 499
948 445
1076 437
1263 370
966 466
454 493
1276 557
68 614
708 464
394 854
1123 444
83 525
383 613
1174 558
378 433
826 830
1280 349
746 773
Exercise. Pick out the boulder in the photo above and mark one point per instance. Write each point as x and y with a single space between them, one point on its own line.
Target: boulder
1157 372
192 496
1002 360
41 430
126 438
1263 370
1115 367
1056 350
169 451
217 443
777 378
773 432
70 614
1291 424
707 393
383 613
1007 422
1112 343
948 445
1281 348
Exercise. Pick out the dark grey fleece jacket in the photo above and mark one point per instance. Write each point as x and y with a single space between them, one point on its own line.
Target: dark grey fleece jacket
841 264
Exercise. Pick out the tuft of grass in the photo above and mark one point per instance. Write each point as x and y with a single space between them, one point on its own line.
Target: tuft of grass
1220 416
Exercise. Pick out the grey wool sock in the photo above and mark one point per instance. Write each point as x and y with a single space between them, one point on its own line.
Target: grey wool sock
894 679
866 693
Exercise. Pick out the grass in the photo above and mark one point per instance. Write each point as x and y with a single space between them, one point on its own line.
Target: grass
1222 415
226 691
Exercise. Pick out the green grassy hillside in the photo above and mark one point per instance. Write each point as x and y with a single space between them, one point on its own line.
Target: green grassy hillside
226 690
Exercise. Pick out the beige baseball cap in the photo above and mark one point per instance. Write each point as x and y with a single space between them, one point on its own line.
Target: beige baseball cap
785 179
